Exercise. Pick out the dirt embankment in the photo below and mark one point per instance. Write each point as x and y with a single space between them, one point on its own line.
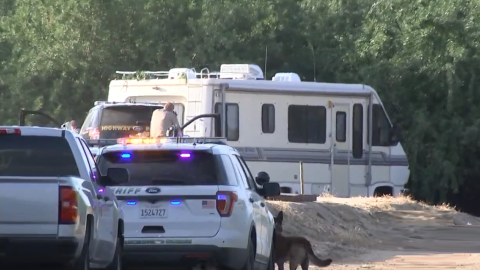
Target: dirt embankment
379 232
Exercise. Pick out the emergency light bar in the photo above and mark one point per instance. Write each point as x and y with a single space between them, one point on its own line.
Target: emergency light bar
142 140
163 140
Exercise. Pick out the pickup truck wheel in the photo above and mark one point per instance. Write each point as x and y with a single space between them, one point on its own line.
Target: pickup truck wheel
116 263
83 262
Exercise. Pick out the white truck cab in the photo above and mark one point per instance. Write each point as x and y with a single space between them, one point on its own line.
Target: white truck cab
51 204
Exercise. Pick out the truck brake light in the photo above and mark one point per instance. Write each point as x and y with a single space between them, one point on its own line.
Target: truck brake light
10 131
225 202
68 206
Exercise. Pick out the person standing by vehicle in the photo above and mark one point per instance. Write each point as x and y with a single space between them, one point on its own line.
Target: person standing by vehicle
162 120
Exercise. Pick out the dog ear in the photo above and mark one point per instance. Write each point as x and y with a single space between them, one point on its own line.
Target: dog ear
280 217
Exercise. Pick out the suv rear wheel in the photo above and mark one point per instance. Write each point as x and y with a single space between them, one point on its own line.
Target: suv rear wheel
249 265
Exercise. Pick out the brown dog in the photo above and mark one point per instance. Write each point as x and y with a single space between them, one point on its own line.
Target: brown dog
296 250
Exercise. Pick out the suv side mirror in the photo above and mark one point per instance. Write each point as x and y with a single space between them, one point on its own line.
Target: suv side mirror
271 189
262 178
118 175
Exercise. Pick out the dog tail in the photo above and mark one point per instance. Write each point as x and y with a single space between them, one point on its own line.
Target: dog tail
314 259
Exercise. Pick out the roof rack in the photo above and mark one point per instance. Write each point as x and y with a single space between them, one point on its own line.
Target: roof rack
198 140
101 143
100 102
227 71
166 140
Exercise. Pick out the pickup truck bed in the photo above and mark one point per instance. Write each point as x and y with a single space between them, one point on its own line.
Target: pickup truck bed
29 206
29 213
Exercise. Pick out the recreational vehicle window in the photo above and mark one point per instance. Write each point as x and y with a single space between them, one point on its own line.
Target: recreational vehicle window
381 127
341 127
357 131
233 120
307 124
268 118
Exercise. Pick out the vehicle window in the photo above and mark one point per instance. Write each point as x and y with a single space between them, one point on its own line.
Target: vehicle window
122 121
233 120
179 109
341 127
245 168
36 156
268 118
88 121
166 167
307 124
229 169
380 127
89 129
91 161
357 131
241 172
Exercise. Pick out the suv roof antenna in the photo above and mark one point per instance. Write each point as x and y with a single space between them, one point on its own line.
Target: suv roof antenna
205 136
266 59
314 63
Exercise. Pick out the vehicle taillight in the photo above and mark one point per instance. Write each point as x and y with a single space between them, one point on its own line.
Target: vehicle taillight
225 202
94 134
68 208
10 131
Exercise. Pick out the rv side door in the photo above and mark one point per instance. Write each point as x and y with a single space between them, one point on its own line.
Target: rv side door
217 124
340 149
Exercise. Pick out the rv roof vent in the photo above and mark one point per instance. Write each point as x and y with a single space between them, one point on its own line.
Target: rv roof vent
286 77
182 73
241 71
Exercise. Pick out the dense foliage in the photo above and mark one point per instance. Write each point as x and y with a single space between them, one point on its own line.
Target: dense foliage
422 56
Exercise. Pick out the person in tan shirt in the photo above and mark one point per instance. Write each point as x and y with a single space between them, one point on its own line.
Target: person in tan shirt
162 120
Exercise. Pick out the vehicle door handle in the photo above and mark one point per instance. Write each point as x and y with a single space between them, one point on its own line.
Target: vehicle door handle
262 204
251 200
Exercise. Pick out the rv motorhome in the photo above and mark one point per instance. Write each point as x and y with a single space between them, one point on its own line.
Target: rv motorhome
340 133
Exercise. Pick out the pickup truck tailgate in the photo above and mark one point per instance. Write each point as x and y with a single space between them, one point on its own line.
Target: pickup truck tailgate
29 205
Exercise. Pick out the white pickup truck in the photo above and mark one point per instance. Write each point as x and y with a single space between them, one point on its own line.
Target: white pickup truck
53 210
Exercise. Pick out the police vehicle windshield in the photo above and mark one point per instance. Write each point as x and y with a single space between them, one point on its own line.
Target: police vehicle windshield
165 167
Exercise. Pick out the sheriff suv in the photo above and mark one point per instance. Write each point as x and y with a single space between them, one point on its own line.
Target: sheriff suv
191 203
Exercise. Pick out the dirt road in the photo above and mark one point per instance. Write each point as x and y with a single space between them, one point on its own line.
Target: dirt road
414 260
394 233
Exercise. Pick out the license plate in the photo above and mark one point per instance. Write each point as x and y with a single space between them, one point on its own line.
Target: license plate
153 212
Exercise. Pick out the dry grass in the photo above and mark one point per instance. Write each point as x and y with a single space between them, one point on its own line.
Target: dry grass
345 227
385 202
